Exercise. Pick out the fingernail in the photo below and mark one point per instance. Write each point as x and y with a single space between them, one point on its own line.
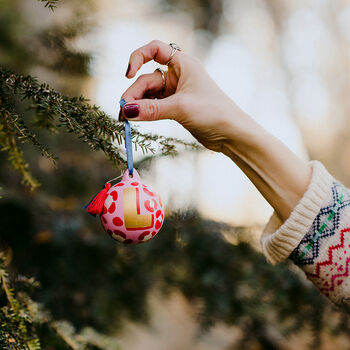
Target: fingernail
132 110
127 71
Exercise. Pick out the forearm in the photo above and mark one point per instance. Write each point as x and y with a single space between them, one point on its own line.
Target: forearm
311 222
280 175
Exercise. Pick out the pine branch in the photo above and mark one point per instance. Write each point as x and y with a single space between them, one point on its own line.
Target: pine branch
23 133
51 4
97 340
15 156
88 122
67 333
15 330
21 320
5 283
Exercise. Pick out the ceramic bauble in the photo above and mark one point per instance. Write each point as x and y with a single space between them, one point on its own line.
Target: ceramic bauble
132 213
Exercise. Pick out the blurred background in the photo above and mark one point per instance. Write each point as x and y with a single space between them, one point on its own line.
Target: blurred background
202 283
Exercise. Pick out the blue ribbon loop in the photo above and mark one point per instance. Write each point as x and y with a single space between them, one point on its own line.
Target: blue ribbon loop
128 143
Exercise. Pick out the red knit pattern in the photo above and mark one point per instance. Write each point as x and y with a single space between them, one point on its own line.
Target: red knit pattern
326 280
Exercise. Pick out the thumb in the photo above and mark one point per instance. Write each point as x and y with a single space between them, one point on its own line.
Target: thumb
150 110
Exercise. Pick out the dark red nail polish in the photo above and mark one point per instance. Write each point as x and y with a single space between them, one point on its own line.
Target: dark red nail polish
132 110
127 71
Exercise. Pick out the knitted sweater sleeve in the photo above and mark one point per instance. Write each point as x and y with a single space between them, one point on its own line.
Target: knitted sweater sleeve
316 236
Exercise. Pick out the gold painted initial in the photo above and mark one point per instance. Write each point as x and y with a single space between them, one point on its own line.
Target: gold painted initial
132 217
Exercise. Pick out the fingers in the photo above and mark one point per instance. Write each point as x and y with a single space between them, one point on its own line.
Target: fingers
150 110
156 50
138 108
145 85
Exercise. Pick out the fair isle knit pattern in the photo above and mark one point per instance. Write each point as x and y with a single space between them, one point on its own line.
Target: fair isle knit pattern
316 236
326 224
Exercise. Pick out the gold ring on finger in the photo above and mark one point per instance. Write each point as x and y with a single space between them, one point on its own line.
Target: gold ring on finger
163 80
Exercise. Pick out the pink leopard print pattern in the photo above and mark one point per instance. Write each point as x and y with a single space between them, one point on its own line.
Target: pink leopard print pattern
147 203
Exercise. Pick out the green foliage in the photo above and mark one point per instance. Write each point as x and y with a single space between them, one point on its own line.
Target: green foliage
23 321
16 318
27 104
89 123
95 283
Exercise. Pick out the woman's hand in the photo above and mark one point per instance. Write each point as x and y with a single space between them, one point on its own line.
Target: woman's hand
194 100
191 97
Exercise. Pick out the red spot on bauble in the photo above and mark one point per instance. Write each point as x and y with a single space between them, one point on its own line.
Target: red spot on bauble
148 192
119 185
104 219
109 232
155 203
111 208
158 213
148 206
117 221
104 211
143 235
158 225
119 233
134 184
114 195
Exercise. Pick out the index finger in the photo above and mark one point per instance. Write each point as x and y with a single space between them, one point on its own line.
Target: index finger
155 50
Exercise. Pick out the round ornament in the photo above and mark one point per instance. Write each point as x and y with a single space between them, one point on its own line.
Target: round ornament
132 212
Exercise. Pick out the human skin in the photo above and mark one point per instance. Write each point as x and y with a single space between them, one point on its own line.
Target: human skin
194 100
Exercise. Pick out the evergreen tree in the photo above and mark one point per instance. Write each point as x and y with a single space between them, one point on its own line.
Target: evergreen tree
88 284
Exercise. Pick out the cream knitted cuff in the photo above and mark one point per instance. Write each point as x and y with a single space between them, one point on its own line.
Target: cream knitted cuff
278 239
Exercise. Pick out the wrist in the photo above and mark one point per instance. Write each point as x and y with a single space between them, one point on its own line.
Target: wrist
278 173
